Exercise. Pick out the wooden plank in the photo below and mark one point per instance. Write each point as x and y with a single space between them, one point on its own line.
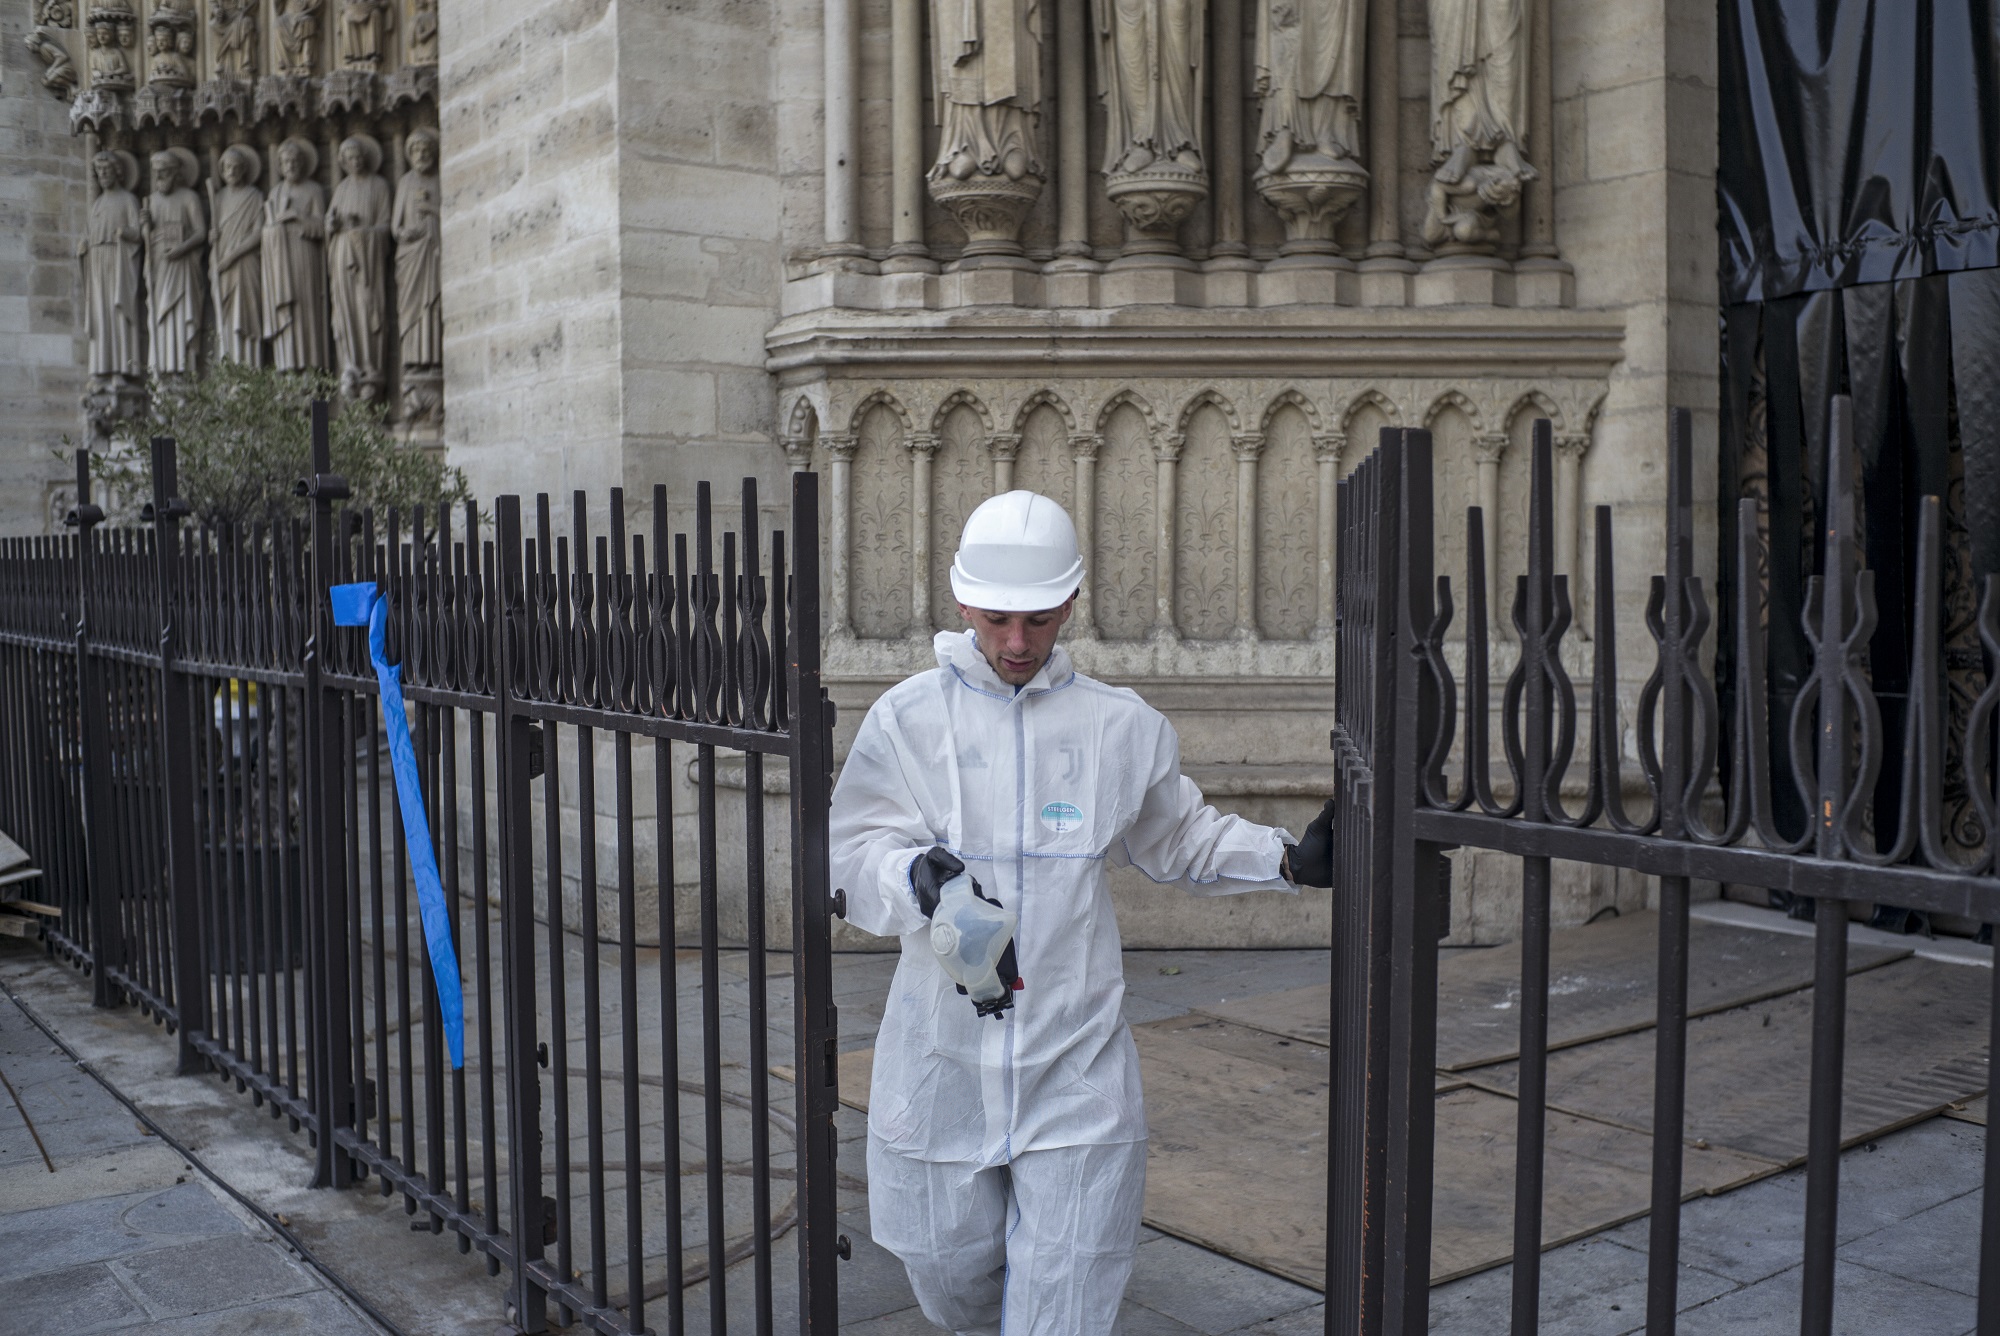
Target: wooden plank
1601 984
1968 1111
33 907
1916 1043
19 875
12 855
1237 1161
14 925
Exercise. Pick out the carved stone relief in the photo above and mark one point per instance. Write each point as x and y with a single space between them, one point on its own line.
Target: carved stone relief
235 24
881 527
1287 528
1205 504
1479 120
1044 462
1150 67
961 477
988 171
364 29
1310 81
1125 529
297 28
58 70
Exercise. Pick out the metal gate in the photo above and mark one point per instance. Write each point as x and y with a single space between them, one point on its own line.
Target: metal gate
1707 782
194 755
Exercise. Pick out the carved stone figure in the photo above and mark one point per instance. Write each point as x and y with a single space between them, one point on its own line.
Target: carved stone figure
59 76
1309 80
176 228
1479 118
173 13
364 30
989 82
110 67
294 260
419 271
423 36
171 62
56 13
110 254
236 240
235 24
297 27
1150 67
357 253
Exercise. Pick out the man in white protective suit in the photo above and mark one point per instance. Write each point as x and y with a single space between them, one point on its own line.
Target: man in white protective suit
974 819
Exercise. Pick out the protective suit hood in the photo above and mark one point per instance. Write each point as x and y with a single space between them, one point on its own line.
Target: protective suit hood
958 654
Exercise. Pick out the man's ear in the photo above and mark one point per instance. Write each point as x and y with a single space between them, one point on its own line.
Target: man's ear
966 612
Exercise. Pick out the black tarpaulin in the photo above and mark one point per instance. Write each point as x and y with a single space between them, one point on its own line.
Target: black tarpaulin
1857 142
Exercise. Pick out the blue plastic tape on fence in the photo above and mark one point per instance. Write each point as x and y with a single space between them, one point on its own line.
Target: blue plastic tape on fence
364 605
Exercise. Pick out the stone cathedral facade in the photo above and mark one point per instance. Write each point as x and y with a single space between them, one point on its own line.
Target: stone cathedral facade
1174 262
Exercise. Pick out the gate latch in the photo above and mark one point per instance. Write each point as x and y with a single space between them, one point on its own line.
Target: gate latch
839 902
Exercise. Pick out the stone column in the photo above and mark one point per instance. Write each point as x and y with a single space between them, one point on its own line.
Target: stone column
1249 445
840 451
907 252
843 134
1541 278
1326 453
1226 148
1083 448
1166 457
1072 37
1569 514
1003 446
1386 269
923 447
1489 450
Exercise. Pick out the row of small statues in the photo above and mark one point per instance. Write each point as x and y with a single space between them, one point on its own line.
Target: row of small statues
290 268
363 28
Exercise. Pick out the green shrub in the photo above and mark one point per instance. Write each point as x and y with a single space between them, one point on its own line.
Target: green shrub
243 438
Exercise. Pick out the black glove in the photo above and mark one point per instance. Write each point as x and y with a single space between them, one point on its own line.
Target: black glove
927 878
1311 859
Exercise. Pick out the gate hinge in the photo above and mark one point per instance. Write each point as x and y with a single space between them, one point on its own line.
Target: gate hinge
535 757
839 902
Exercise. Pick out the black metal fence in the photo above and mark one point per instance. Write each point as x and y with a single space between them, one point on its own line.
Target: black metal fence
1710 817
192 753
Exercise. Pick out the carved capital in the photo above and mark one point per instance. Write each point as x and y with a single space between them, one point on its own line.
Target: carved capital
989 207
1490 448
1328 446
1004 444
1167 447
1249 445
798 452
1085 444
1572 446
923 443
840 446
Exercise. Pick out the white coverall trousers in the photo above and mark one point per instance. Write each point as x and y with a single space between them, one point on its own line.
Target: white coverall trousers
1039 1246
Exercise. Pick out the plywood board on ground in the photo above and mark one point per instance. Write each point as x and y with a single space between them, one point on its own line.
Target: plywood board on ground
1916 1042
1601 983
1237 1161
1968 1111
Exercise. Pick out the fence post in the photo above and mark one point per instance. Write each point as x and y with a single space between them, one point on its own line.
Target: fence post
515 815
322 802
815 1020
100 850
177 761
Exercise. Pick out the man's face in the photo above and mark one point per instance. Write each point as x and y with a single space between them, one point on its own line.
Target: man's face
1017 644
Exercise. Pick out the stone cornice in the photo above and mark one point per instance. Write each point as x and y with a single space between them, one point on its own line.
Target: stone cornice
1180 341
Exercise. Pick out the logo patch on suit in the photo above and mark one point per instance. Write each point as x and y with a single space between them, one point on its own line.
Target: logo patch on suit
1062 817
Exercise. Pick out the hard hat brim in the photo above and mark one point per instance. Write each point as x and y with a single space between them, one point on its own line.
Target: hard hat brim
1042 596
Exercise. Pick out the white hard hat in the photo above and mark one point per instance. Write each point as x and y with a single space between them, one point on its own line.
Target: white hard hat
1017 554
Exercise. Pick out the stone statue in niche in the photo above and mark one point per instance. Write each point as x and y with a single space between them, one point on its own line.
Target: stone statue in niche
419 271
235 24
176 229
294 260
110 67
989 82
297 28
56 13
357 254
235 240
364 31
59 74
110 254
1479 120
423 36
1150 67
171 58
1310 64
